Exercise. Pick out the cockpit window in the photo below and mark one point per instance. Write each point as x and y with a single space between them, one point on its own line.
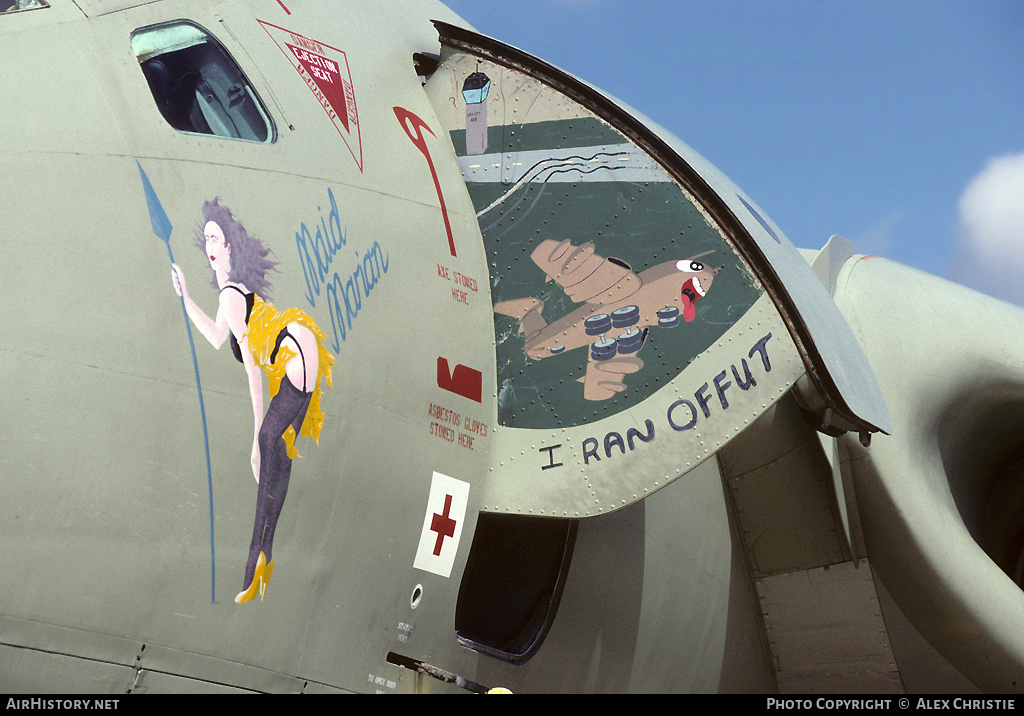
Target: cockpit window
17 5
196 84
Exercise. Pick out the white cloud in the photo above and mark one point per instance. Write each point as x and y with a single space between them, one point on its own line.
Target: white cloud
992 210
991 230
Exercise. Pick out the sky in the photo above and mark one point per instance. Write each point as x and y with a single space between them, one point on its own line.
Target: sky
898 124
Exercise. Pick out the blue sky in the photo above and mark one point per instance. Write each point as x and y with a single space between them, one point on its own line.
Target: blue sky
899 125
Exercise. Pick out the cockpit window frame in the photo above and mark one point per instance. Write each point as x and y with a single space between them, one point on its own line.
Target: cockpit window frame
225 122
22 6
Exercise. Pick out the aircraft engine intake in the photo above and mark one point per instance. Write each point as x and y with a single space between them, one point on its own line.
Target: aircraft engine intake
941 499
981 441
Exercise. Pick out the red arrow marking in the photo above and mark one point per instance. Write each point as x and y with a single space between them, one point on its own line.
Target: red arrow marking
413 126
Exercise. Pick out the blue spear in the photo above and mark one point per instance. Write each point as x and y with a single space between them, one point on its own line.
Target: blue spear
162 228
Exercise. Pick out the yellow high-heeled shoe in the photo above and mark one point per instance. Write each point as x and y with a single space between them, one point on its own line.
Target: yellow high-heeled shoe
257 584
266 578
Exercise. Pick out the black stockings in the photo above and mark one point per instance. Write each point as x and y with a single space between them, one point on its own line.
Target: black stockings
287 408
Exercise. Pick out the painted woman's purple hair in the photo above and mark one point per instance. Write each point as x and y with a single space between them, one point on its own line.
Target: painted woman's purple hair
249 262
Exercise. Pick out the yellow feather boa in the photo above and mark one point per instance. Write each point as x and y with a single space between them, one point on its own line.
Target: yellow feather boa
265 323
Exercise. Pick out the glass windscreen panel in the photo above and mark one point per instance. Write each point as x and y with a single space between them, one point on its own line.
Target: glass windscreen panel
196 84
9 6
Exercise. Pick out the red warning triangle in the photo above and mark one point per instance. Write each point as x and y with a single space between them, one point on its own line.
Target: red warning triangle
325 71
326 75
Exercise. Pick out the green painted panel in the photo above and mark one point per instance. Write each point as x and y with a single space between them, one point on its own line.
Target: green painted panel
579 223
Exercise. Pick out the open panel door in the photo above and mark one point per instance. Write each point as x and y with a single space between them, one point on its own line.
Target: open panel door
645 310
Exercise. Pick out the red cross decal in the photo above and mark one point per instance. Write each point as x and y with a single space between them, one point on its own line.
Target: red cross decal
443 525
